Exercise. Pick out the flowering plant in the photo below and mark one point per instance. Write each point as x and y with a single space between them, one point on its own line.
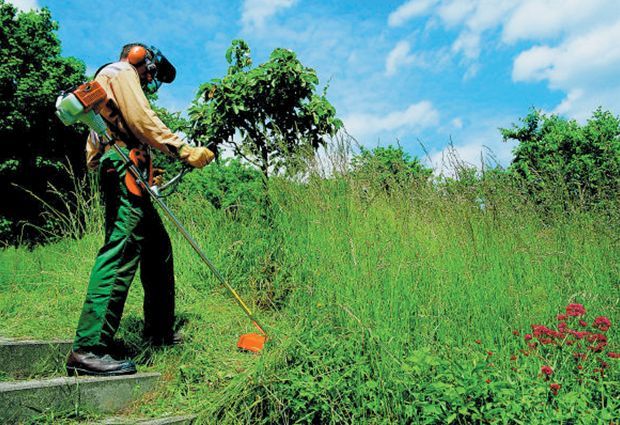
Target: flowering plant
574 347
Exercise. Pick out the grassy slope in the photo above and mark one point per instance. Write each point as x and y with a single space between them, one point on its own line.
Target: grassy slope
365 283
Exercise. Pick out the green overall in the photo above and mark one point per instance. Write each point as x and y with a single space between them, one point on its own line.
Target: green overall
134 235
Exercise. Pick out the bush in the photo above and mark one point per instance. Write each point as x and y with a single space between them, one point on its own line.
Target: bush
579 162
229 185
386 168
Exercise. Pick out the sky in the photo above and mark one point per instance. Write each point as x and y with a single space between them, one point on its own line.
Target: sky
424 74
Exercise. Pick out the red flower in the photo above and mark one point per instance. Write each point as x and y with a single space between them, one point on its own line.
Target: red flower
478 341
555 334
597 337
602 323
540 330
528 337
580 335
513 358
489 353
583 323
515 333
546 370
579 367
488 381
612 355
562 316
555 388
601 341
575 310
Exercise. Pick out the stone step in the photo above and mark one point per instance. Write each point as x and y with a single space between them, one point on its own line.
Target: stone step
171 420
23 400
20 359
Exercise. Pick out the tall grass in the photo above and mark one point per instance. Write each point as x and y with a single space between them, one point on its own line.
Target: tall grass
374 302
379 277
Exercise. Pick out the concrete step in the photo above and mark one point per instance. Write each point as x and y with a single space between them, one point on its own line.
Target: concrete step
20 359
170 420
23 400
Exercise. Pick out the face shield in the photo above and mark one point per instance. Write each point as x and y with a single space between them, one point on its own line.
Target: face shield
160 69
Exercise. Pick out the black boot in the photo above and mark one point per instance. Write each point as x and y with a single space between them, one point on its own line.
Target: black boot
87 363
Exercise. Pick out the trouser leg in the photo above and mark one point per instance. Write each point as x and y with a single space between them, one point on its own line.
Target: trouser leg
116 262
157 276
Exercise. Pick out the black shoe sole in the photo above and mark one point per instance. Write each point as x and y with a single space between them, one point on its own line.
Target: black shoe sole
73 371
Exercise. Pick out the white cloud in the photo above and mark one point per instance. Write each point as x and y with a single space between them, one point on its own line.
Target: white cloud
468 43
572 99
534 64
485 149
416 116
575 43
579 60
457 123
535 19
476 17
583 66
399 56
409 10
25 4
256 12
455 12
470 154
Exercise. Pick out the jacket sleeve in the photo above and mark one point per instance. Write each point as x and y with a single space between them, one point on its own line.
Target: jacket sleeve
140 118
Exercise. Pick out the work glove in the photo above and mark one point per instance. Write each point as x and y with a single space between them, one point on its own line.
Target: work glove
197 157
158 176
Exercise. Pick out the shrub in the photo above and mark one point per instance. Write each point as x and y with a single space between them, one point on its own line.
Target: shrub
229 185
386 168
581 162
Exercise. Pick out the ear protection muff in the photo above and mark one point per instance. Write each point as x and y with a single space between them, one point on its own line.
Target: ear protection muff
136 55
160 68
139 55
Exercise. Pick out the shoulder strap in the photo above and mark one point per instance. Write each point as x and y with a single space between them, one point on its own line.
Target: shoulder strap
116 112
101 67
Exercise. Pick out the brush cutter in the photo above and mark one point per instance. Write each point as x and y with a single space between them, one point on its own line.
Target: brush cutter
83 105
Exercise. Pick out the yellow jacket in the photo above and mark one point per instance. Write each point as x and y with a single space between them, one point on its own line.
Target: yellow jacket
133 120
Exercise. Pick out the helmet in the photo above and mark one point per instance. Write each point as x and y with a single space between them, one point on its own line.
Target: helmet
160 68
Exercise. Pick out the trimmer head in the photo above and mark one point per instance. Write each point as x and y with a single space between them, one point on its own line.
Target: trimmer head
252 342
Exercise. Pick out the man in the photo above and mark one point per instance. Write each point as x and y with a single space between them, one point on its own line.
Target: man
134 233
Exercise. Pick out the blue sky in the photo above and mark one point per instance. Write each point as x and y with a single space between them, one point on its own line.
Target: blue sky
412 71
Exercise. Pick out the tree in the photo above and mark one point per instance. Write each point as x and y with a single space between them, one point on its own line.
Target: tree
35 144
268 115
176 123
389 167
585 159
